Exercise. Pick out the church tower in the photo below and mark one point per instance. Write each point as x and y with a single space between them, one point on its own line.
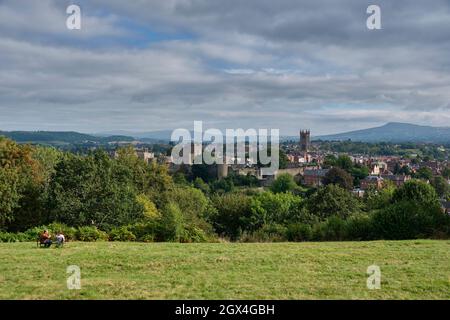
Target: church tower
305 140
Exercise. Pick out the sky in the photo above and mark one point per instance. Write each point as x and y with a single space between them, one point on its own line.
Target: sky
162 64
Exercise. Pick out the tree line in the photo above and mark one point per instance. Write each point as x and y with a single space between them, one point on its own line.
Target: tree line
95 197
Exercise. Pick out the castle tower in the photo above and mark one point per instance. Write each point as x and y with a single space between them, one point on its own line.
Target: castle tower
305 140
222 171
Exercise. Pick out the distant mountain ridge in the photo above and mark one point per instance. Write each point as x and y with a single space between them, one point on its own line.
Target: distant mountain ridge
390 132
59 136
394 132
153 135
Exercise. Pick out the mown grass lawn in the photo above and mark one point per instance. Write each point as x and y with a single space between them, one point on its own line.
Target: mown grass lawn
417 269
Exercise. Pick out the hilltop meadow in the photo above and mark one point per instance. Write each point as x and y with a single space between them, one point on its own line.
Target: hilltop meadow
413 269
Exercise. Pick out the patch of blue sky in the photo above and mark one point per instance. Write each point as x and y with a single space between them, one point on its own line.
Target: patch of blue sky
140 35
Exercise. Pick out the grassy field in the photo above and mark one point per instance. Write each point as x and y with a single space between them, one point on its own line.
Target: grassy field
330 270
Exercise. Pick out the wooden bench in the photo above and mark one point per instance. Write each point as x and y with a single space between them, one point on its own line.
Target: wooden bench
40 242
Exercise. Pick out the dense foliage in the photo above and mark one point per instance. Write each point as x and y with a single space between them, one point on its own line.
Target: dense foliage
94 197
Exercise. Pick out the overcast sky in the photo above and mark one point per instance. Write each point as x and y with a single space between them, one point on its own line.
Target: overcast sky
287 64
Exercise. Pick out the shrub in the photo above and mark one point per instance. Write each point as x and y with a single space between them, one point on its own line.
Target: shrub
193 234
33 233
15 237
233 215
90 233
8 237
333 229
280 208
416 191
121 234
359 227
144 231
70 233
267 233
283 183
299 232
332 200
148 238
171 226
150 210
338 177
409 220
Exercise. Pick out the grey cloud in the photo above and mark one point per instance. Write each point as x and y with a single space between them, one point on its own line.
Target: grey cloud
249 63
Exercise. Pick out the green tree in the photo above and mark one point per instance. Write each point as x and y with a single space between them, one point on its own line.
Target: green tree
171 227
333 200
378 199
151 179
344 162
283 183
338 177
279 208
9 195
416 191
441 186
408 220
201 185
222 185
359 172
424 173
283 160
446 173
93 190
195 208
233 215
329 161
23 186
413 213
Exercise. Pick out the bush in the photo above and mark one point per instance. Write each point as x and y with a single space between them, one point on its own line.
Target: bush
408 220
268 233
333 229
283 183
148 238
171 227
279 208
70 233
121 234
33 233
416 191
332 200
359 227
144 231
299 232
8 237
89 233
193 234
15 237
232 215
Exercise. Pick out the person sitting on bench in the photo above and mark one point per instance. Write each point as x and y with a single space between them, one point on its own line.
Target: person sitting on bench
60 239
45 239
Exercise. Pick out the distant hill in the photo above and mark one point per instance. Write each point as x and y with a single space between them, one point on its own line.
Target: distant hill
163 135
394 132
51 137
